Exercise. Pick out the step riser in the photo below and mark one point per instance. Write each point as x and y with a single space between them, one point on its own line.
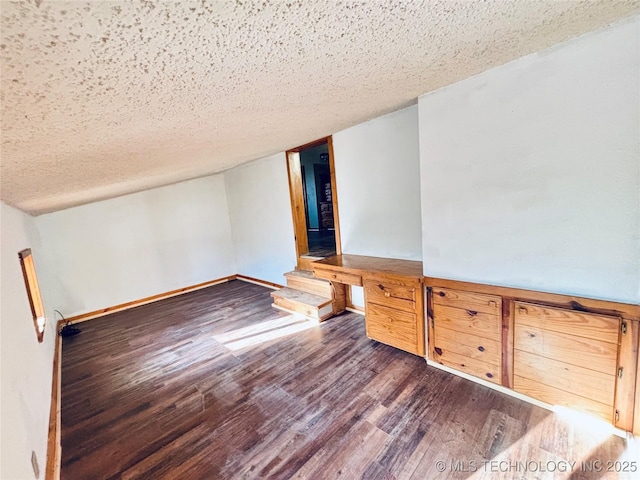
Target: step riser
315 287
315 313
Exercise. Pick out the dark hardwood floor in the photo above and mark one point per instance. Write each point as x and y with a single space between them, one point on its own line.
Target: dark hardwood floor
321 243
206 386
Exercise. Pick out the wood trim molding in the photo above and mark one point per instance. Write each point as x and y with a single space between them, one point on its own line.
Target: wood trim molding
334 195
636 424
507 341
294 173
355 309
142 301
52 471
626 385
257 281
315 143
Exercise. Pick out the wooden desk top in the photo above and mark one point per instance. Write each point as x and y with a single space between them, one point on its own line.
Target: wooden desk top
359 264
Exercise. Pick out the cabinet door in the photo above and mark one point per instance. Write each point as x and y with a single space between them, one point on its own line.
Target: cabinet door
566 357
394 312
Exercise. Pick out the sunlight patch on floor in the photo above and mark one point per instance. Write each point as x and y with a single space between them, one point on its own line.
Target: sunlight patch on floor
526 458
264 332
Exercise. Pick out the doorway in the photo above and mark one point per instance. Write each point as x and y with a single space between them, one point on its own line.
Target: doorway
314 202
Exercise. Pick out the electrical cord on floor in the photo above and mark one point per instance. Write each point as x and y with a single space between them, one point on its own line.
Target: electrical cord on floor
67 329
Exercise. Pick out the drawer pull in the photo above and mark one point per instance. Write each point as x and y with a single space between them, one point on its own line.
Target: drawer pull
522 309
490 375
438 350
481 348
492 303
472 313
387 294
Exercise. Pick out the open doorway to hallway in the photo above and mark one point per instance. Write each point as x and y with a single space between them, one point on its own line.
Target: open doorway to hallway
313 201
318 200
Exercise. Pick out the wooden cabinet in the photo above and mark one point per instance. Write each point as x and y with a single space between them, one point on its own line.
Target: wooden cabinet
393 312
567 358
467 332
567 351
393 295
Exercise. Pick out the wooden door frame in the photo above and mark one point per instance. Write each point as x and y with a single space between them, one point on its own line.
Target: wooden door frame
294 172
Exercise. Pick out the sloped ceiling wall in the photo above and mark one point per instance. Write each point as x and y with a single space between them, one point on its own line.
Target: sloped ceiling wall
105 98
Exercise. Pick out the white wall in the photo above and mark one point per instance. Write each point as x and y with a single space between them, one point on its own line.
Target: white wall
531 171
260 211
26 365
138 245
377 167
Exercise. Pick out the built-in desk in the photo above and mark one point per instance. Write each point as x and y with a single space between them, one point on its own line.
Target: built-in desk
393 295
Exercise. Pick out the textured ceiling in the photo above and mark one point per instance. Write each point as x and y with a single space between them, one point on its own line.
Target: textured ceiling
104 98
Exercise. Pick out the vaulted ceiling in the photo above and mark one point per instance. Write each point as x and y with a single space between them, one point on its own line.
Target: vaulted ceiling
105 98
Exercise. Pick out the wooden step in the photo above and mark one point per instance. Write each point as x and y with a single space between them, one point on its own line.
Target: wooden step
309 305
306 282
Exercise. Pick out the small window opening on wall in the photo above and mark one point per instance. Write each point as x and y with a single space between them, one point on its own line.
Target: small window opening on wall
33 291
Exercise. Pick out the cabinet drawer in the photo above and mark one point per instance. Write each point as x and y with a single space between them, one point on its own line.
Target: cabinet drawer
393 327
472 346
468 321
472 366
391 294
474 302
340 277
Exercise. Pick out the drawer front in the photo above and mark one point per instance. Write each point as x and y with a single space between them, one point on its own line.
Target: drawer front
393 327
471 346
340 277
468 321
472 366
391 294
475 302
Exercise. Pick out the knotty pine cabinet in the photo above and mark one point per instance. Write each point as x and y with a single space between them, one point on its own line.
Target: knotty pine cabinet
467 332
393 296
568 351
566 358
393 312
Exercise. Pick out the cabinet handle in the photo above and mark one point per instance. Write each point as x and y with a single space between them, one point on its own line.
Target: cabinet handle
387 294
492 303
522 310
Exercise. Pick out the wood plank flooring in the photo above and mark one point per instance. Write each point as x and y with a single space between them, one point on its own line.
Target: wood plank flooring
206 386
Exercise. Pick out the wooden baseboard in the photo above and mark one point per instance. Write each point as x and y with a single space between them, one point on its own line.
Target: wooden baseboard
257 281
136 303
52 471
355 309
